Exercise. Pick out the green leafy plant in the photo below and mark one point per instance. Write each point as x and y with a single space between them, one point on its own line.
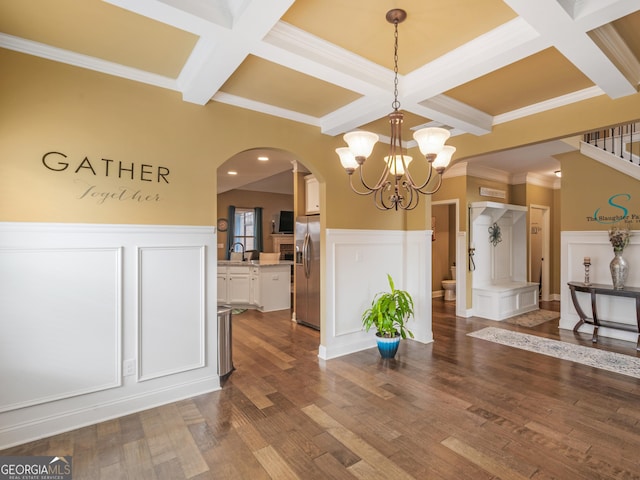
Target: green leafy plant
389 312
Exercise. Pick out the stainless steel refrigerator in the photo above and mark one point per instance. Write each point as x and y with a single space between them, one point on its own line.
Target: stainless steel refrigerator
307 236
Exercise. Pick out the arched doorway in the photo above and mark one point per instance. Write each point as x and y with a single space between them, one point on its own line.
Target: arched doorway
274 181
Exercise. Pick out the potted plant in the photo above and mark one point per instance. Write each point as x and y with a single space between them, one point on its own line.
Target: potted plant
389 312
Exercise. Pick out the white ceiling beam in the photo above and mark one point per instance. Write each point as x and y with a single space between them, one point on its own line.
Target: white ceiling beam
206 76
555 24
454 114
228 33
590 14
296 49
355 114
214 11
423 88
172 15
495 49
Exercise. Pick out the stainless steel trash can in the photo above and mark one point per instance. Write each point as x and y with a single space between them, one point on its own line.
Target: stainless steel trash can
225 354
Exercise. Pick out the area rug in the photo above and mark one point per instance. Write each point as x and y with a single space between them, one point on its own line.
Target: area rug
238 311
532 319
611 361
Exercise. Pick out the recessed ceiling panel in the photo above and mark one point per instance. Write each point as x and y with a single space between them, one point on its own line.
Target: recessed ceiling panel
432 27
543 76
100 30
266 82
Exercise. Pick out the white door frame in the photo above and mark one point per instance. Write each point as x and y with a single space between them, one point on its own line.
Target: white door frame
546 224
461 261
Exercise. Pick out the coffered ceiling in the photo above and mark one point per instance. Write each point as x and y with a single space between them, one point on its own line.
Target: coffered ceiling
464 64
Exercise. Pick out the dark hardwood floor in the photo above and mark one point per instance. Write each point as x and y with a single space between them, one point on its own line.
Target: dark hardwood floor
459 408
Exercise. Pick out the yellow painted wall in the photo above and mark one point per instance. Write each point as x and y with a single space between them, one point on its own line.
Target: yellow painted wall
473 190
135 154
557 123
518 194
591 189
48 106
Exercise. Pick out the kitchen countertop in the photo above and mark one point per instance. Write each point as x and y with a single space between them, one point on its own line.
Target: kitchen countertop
253 263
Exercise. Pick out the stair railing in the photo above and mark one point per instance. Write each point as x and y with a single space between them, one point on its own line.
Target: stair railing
618 140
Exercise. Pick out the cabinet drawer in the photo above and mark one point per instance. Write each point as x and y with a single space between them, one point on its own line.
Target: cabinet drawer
238 269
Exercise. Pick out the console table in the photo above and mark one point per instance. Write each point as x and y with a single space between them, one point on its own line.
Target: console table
599 289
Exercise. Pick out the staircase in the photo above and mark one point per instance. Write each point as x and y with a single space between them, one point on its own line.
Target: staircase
617 147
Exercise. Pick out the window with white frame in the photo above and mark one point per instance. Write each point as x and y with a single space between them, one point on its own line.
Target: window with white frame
244 229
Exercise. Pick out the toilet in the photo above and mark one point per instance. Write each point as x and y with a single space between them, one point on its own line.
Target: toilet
449 286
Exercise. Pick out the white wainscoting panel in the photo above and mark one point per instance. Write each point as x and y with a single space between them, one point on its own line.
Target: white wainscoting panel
356 269
60 330
79 301
171 310
595 244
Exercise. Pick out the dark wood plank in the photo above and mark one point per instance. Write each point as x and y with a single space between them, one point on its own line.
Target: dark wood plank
458 408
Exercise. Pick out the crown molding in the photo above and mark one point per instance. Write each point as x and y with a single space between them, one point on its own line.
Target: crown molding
265 108
617 49
84 61
529 178
540 107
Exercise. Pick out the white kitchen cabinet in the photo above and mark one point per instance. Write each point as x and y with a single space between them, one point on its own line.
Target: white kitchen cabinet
275 287
222 285
312 195
255 287
265 287
239 285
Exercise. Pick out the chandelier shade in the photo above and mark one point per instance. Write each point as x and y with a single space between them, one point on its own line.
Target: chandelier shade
396 188
347 159
361 143
443 158
398 164
431 140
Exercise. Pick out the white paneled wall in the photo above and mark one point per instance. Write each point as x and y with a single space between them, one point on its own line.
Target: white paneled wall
357 263
171 306
97 321
60 327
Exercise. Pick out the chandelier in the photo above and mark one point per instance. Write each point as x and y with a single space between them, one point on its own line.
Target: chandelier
396 187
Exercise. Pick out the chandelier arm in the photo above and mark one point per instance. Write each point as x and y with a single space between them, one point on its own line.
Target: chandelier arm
369 191
382 181
411 200
431 192
408 198
379 201
415 200
414 185
381 198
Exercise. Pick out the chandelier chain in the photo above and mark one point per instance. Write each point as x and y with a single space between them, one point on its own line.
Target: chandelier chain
396 104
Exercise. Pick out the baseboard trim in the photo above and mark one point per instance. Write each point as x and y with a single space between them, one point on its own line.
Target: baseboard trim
73 419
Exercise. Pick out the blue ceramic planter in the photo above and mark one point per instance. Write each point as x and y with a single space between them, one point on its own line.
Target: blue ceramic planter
388 346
